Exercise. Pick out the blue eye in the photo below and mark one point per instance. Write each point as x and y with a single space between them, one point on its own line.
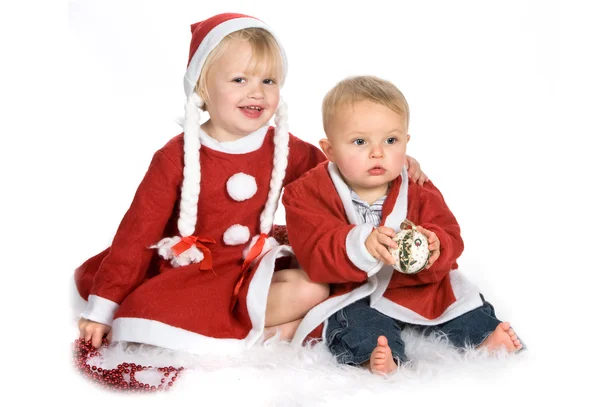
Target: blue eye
359 142
391 140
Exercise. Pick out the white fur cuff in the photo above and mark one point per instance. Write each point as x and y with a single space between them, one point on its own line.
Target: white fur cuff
100 310
357 251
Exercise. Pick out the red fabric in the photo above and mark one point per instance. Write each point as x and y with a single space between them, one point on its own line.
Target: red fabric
317 229
188 297
202 28
253 254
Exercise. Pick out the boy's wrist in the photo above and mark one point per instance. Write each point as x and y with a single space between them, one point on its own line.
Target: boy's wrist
357 250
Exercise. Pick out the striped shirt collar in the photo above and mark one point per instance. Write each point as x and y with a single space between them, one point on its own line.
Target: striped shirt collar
370 213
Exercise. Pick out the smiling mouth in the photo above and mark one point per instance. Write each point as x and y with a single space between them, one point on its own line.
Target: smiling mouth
257 108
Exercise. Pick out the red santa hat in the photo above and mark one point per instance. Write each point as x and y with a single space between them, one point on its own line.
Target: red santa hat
186 249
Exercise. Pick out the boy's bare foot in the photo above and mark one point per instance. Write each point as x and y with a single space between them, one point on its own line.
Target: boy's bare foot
382 361
503 336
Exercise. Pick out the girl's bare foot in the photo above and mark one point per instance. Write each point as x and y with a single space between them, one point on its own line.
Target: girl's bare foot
382 361
503 336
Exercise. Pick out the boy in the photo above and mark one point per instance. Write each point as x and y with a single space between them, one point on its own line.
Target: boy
341 218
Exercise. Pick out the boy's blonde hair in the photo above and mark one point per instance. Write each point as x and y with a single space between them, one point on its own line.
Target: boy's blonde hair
358 88
266 56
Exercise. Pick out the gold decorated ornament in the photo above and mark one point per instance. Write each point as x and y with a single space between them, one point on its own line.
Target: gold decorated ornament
412 253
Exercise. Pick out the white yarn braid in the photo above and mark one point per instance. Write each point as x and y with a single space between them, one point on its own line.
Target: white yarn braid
190 188
280 161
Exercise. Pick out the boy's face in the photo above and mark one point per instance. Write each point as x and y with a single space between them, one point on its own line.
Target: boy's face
240 100
367 141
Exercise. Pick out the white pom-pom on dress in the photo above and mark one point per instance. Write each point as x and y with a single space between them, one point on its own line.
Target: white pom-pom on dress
236 234
241 186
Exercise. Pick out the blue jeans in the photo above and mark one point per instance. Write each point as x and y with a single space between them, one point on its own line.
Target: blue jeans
352 332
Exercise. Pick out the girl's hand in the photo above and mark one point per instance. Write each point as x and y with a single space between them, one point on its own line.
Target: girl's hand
414 171
94 331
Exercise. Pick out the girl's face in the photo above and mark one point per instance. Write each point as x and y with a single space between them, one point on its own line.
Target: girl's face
241 96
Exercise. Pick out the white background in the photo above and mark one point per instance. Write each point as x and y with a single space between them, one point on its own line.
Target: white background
504 120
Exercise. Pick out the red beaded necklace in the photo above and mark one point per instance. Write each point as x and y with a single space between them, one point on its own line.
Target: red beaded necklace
115 379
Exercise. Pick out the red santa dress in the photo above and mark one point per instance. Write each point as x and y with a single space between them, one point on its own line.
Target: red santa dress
328 236
208 208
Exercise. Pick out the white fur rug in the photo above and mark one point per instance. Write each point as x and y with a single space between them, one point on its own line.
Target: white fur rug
277 374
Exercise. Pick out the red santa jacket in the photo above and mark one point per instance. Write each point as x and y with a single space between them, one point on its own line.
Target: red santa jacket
146 299
327 235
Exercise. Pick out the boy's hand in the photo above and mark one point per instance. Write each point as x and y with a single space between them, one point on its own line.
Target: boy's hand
378 242
94 331
434 245
414 171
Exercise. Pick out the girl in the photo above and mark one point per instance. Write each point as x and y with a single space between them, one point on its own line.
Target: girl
197 274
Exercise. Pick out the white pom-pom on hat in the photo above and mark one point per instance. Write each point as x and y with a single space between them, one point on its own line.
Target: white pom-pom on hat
236 234
241 186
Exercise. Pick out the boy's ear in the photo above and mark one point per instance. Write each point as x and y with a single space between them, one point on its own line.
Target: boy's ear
407 138
327 149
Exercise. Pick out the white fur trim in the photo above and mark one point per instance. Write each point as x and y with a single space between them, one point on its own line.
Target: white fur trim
191 255
236 234
344 192
270 243
400 210
166 336
100 310
213 38
357 251
157 333
246 144
383 280
241 186
467 299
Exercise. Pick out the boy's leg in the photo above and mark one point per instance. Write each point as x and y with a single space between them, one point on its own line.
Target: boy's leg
353 332
291 296
479 327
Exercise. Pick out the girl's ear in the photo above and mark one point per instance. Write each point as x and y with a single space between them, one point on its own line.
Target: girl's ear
327 149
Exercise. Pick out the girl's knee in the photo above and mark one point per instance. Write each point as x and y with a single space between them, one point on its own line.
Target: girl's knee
314 293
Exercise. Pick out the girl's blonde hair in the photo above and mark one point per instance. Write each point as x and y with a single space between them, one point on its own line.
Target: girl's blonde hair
266 56
358 88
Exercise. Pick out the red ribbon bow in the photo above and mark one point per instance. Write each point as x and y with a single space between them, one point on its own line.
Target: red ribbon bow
254 252
189 241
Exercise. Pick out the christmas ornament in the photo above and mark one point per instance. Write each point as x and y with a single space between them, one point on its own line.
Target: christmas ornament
412 253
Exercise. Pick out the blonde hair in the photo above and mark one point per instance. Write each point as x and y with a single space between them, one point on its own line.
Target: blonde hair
358 88
265 56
